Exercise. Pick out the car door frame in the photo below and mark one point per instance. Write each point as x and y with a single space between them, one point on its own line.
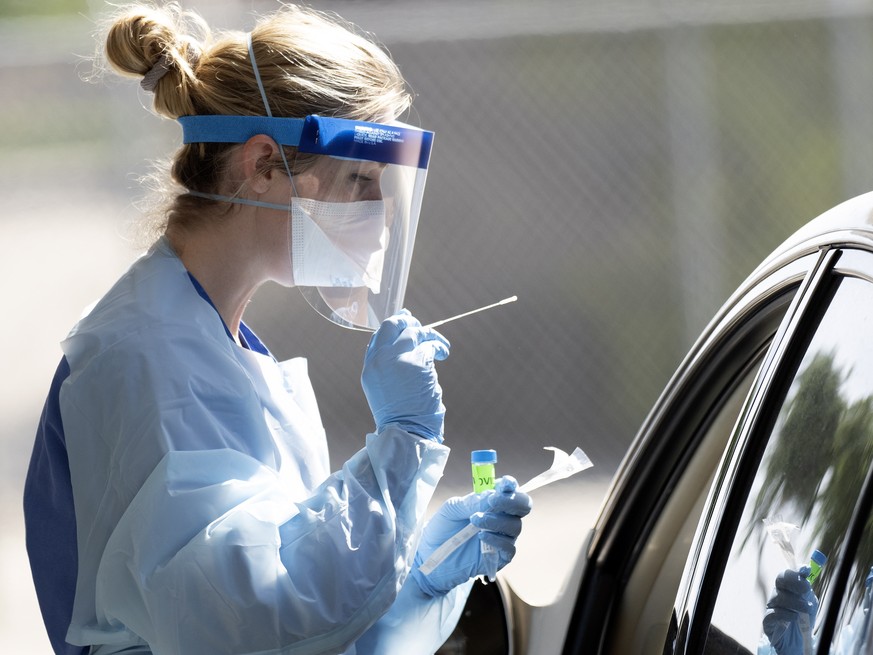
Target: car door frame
749 322
710 550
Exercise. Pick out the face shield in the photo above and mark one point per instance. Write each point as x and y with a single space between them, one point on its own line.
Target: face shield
357 190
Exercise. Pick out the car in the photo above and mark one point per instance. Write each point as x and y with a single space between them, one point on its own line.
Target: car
758 452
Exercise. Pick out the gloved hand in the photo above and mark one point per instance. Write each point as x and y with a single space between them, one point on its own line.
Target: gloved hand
791 613
399 377
496 512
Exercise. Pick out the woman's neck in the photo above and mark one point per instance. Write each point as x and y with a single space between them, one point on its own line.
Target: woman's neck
223 266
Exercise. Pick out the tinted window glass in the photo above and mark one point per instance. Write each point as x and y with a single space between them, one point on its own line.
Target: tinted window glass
809 477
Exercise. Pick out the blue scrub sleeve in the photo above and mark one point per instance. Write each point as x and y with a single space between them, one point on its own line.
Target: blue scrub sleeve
214 556
50 521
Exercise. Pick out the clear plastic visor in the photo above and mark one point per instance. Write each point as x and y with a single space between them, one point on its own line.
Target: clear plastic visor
353 225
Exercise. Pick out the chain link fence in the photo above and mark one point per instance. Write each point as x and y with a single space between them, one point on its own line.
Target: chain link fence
620 167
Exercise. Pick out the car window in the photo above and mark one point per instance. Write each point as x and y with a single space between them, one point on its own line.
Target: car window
809 476
679 450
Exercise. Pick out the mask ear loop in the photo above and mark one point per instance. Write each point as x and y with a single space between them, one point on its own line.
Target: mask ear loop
267 107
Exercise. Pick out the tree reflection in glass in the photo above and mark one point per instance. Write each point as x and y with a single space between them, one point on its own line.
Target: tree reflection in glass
815 468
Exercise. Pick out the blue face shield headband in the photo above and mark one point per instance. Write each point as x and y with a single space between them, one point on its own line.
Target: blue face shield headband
318 135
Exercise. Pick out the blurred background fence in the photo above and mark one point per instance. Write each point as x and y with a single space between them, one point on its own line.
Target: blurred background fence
620 165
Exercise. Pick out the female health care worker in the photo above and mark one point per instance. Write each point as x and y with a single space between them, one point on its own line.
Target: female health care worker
179 498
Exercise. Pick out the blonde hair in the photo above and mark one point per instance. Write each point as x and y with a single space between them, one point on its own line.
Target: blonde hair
309 63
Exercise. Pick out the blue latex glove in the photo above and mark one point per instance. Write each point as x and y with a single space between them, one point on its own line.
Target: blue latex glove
496 512
399 377
791 613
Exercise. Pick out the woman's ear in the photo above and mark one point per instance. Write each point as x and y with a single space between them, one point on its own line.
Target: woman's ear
258 156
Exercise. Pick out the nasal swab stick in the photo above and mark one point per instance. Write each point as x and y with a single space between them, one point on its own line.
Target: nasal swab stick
505 301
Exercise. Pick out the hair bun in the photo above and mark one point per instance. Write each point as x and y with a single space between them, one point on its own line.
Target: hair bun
138 39
151 42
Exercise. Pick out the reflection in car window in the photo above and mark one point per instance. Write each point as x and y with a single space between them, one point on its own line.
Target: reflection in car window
854 630
809 477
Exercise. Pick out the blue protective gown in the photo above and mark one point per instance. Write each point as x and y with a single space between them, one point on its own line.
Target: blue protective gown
195 474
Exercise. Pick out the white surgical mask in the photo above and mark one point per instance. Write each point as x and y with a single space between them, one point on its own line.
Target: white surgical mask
333 244
338 244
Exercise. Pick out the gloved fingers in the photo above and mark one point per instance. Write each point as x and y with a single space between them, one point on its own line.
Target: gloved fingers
793 593
441 351
403 333
395 324
391 329
461 508
793 582
434 345
503 545
505 484
516 503
504 524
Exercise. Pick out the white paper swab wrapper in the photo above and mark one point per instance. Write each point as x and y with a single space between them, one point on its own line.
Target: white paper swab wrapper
563 466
